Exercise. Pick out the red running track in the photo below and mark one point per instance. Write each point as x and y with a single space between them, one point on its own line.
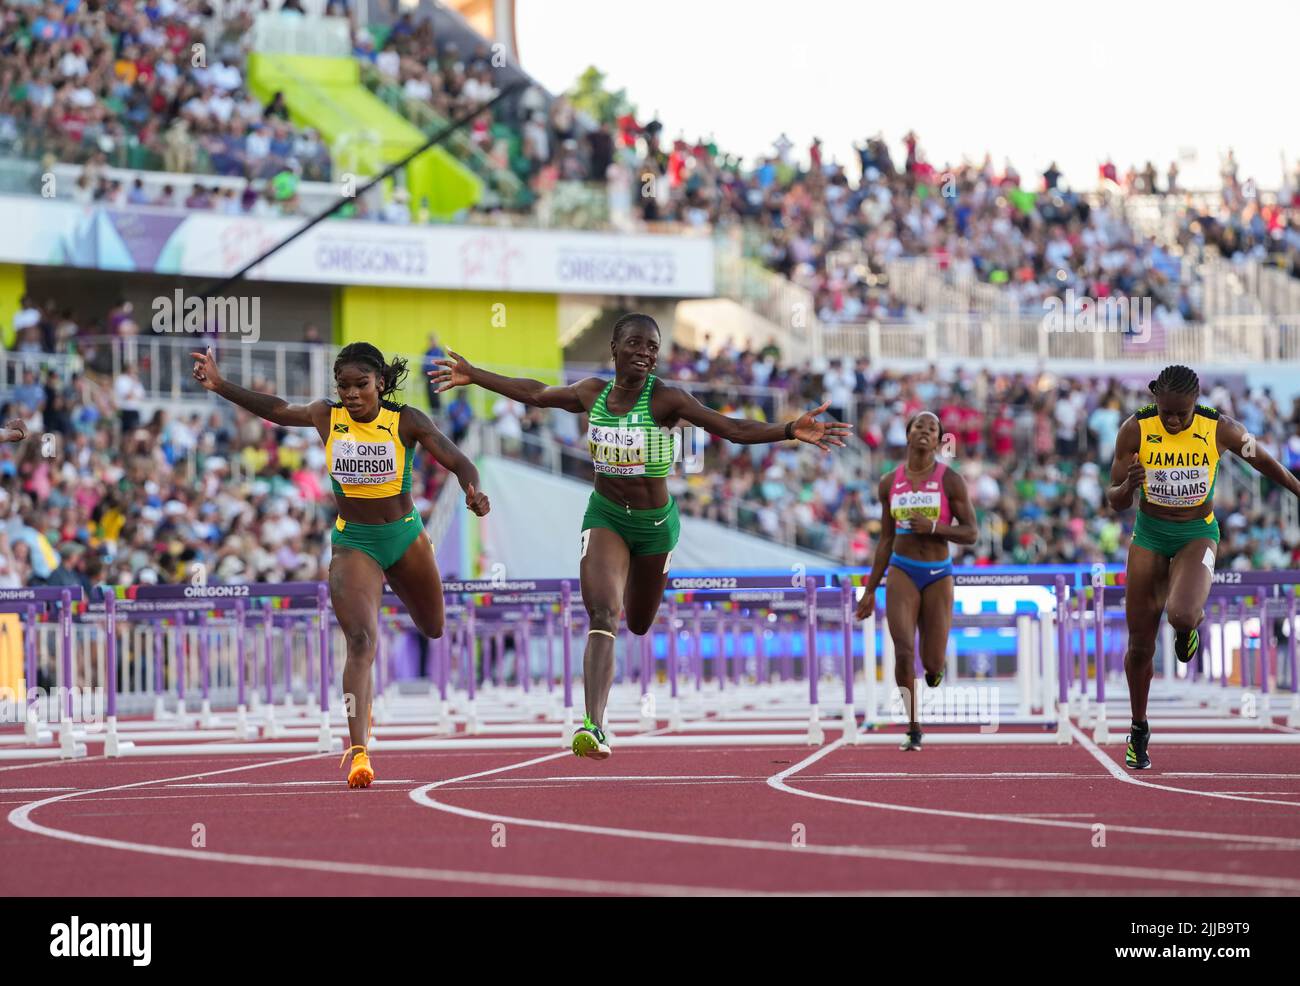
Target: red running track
866 819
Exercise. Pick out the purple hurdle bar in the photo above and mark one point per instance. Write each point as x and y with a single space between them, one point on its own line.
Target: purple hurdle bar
1099 632
566 625
1290 645
550 650
241 698
1062 638
846 603
65 624
697 647
205 670
720 634
267 638
1264 640
1244 655
812 667
29 655
322 603
471 672
672 648
110 654
523 654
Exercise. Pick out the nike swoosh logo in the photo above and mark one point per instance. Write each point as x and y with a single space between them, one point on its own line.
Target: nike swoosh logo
936 571
658 522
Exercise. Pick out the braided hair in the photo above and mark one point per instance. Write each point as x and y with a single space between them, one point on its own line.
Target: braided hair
1175 380
630 319
363 354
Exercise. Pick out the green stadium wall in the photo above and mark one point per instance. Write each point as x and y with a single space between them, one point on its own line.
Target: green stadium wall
509 333
327 94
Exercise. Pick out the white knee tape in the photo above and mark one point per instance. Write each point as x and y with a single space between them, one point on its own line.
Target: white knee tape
1208 560
586 540
667 562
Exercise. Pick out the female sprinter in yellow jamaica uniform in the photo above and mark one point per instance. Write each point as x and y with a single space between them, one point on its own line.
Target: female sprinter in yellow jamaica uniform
1168 454
379 535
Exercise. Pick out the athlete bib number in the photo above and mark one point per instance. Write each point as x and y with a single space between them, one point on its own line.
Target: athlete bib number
902 504
1178 487
363 463
617 451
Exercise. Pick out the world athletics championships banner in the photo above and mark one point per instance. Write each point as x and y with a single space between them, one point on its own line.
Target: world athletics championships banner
166 241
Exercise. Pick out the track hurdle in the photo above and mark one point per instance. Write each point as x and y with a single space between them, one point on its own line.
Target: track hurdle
1037 694
1197 686
53 603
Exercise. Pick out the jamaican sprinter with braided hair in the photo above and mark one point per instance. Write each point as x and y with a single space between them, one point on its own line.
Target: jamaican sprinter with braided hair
631 524
926 507
379 535
1167 454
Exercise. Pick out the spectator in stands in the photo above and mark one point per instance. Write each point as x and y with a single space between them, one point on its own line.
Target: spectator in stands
460 415
128 395
434 353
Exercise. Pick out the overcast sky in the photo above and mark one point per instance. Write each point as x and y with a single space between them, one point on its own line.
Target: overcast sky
1032 81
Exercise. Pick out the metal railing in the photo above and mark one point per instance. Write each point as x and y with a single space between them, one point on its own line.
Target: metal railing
789 309
296 371
14 364
1226 340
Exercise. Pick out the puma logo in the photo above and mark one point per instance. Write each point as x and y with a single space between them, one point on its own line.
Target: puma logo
1197 434
385 428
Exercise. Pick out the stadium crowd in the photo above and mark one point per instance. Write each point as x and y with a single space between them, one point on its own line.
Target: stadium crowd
95 77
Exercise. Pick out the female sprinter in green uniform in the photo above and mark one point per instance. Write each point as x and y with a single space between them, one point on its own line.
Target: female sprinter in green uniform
631 524
369 443
926 502
1169 453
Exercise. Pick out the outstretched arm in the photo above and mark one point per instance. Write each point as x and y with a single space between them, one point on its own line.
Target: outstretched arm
1233 437
458 372
416 428
274 409
1126 471
672 404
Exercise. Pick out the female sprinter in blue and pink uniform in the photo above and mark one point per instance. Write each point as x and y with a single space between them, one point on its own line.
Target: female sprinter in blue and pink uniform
927 504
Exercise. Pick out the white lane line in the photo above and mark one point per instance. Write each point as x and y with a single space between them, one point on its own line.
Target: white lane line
291 784
35 790
1236 775
914 775
422 797
21 819
51 763
778 781
1125 775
